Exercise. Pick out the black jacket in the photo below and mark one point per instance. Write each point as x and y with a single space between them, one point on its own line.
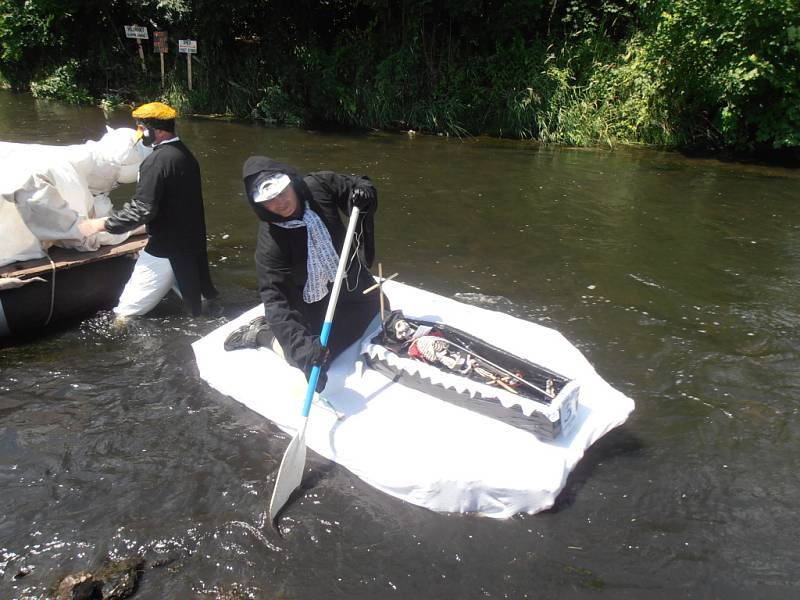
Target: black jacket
169 199
281 264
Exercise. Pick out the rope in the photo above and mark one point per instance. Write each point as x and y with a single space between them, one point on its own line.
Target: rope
52 289
358 234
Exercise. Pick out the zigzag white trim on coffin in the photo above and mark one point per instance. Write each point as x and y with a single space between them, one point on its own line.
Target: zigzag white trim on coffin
548 420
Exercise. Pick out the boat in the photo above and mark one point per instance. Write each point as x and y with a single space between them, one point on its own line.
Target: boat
69 284
49 271
411 442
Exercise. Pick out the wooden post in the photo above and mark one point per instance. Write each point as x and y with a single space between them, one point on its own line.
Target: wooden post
141 54
189 47
161 45
139 34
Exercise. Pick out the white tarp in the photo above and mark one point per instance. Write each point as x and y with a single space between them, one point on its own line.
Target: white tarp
46 190
414 446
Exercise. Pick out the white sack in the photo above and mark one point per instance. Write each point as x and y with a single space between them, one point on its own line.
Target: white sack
42 199
53 187
16 240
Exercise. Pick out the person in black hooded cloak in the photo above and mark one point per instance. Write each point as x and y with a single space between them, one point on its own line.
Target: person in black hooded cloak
300 236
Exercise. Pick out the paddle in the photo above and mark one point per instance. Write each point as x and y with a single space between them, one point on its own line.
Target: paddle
290 473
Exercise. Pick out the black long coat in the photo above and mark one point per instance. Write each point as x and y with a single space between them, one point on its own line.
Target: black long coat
281 264
169 200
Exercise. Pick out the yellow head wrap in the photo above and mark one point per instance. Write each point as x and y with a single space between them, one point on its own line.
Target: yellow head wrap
155 110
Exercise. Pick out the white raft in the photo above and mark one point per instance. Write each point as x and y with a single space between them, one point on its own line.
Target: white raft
414 446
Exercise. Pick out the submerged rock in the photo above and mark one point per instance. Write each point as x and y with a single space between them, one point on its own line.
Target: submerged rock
115 580
88 590
22 572
68 585
121 577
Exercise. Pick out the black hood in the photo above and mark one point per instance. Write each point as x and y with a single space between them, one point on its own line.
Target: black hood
258 168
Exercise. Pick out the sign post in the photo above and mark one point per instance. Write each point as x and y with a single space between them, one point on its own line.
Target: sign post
138 33
160 45
189 47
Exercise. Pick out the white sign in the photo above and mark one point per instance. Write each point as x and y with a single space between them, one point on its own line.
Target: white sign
187 46
134 31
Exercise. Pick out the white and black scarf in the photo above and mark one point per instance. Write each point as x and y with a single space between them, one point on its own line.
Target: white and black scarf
322 257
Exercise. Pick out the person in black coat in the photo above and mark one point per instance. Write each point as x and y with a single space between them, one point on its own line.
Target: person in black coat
300 236
169 201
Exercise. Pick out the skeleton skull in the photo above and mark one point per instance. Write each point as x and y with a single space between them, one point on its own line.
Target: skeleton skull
402 330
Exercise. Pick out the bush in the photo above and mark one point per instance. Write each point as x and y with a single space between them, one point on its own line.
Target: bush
62 84
275 107
730 70
716 74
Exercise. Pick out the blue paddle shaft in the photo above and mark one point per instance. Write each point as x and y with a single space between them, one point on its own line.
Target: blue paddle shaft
312 386
325 333
326 326
312 380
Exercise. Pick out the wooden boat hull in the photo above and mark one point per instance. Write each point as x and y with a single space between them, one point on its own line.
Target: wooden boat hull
74 285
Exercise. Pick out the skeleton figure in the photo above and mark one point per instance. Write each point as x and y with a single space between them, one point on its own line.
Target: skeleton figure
427 343
436 349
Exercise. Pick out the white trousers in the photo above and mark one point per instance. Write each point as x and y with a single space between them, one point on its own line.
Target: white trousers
151 280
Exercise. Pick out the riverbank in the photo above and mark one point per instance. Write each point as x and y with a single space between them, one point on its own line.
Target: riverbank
670 73
765 157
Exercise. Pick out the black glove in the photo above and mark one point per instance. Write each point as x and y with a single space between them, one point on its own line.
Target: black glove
364 198
319 356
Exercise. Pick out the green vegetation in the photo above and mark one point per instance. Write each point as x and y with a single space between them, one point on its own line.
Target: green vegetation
707 74
61 83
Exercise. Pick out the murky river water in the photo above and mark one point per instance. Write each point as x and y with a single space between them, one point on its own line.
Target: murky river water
677 278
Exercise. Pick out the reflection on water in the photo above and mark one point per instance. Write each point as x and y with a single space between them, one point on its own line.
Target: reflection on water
676 277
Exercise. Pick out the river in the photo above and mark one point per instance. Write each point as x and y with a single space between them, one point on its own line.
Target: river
676 277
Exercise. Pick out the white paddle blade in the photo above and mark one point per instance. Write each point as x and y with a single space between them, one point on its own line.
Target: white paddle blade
290 474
